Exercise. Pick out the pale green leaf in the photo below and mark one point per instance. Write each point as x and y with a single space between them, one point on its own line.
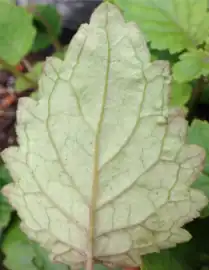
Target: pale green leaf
5 208
199 134
102 171
206 47
169 24
180 94
202 183
191 66
17 33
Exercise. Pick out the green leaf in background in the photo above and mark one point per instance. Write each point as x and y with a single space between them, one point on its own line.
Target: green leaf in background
192 65
21 253
169 24
17 33
188 256
165 260
48 23
21 84
199 134
5 208
180 94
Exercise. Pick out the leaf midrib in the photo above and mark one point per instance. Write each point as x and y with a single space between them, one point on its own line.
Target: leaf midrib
95 183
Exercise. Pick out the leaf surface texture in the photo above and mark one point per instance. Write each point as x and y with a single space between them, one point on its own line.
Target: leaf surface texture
102 171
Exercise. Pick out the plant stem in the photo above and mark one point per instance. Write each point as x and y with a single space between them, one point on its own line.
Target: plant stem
27 64
89 263
18 74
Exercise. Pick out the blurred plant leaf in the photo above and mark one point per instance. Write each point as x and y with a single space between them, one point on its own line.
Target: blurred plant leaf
48 23
180 94
169 24
17 33
5 208
192 65
199 134
21 253
165 260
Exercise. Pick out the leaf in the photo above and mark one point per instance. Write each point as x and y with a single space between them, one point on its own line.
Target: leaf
102 171
185 256
5 208
191 66
169 24
21 84
61 54
48 23
199 134
22 253
17 33
180 94
166 260
203 184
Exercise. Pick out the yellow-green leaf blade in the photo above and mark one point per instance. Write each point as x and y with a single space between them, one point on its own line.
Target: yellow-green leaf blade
192 65
199 134
169 24
17 33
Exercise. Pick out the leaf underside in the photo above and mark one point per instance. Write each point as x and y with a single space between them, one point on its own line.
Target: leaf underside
102 171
